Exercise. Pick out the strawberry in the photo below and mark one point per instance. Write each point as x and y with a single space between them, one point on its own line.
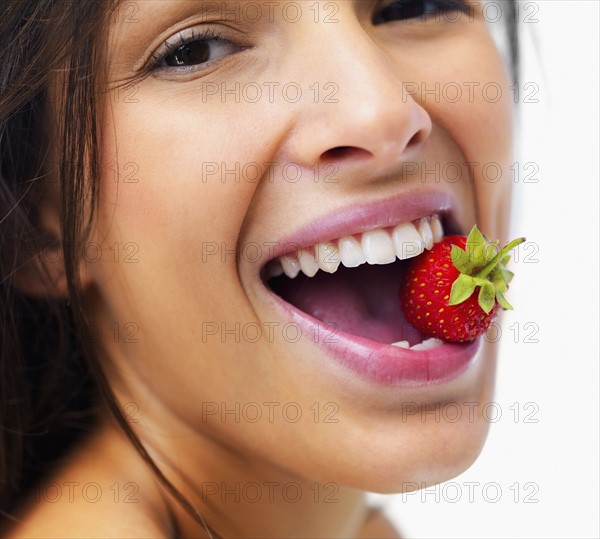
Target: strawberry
439 292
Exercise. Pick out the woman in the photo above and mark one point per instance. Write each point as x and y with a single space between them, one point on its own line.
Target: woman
168 170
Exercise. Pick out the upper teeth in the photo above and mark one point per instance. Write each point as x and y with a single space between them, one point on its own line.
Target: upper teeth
380 246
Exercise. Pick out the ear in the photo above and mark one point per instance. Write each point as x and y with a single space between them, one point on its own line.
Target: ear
42 272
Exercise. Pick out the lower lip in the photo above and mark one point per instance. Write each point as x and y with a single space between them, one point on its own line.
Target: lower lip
383 363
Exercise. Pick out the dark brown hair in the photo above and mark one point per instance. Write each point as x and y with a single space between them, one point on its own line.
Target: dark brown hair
51 385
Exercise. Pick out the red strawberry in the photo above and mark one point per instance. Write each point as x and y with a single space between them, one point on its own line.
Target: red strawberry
438 294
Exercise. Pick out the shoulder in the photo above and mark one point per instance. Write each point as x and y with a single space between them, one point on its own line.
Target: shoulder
91 496
378 526
79 520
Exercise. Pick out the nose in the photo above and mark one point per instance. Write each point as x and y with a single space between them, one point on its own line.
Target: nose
364 118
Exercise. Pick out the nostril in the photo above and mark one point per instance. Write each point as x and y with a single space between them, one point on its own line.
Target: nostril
344 152
417 138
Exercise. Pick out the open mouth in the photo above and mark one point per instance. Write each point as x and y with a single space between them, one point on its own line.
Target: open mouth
351 284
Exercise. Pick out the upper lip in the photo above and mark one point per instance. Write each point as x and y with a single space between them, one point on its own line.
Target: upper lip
410 205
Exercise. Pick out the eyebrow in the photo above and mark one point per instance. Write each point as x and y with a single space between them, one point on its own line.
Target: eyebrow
201 6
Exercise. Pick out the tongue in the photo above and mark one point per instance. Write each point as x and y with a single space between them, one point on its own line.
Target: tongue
362 301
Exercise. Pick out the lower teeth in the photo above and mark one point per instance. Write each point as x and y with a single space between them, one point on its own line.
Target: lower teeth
427 344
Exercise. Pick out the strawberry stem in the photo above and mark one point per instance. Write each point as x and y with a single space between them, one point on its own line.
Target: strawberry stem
499 256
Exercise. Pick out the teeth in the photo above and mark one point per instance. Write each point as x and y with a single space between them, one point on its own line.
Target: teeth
426 233
308 264
407 241
436 229
378 247
401 344
328 257
427 344
290 265
351 253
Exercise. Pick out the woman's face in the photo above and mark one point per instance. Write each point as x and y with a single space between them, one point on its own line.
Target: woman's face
269 127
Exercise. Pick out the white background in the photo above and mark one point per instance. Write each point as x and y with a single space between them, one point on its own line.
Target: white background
557 456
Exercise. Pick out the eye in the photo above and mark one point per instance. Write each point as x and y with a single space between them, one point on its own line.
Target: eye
191 49
402 10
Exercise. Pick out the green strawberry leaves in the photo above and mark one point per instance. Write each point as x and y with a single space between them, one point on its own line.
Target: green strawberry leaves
462 289
477 248
477 253
460 259
487 296
481 265
502 301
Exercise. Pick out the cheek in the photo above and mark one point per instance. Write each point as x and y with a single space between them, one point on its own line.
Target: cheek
171 154
168 182
158 218
181 211
469 95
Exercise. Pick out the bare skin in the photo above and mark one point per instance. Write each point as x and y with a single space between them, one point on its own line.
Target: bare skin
177 126
106 490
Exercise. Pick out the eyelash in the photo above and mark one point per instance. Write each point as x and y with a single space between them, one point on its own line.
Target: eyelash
208 35
194 35
439 6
